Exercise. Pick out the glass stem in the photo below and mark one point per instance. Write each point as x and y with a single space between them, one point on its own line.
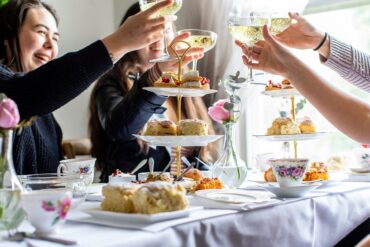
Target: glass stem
195 63
249 61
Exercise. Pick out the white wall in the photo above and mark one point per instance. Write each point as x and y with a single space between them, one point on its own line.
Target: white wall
81 23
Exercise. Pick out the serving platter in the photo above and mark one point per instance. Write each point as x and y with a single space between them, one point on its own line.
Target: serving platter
295 137
281 92
177 91
185 141
234 196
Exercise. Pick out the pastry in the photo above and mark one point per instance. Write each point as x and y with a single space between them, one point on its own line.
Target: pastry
272 86
194 174
167 80
192 79
164 177
192 127
208 183
307 126
317 171
283 126
159 197
269 176
160 128
118 198
285 84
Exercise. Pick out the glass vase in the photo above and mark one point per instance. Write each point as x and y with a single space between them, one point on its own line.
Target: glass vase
230 168
11 212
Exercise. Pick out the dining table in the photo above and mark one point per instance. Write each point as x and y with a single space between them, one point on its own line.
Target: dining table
320 218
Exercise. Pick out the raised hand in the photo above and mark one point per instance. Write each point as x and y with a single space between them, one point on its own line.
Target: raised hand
301 34
267 55
193 53
138 31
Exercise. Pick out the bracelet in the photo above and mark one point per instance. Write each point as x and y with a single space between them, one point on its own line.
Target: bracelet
322 42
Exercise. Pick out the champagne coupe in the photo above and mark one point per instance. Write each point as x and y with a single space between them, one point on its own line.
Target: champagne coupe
200 39
279 22
169 10
249 31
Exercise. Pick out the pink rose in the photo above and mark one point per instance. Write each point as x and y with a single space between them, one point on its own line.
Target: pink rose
218 113
9 115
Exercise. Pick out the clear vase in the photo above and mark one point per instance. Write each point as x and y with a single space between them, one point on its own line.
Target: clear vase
230 168
11 212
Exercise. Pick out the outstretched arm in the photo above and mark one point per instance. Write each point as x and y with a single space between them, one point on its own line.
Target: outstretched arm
349 114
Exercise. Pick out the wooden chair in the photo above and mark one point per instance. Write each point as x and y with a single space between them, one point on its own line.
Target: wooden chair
76 147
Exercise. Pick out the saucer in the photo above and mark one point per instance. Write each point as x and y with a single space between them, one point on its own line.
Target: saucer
290 192
360 169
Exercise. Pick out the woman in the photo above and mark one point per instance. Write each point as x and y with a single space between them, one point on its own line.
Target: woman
349 114
119 107
29 41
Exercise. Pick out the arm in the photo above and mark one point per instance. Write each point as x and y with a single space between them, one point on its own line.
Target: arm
124 115
350 115
49 87
353 65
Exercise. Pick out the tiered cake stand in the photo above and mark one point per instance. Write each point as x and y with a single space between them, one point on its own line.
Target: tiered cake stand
179 141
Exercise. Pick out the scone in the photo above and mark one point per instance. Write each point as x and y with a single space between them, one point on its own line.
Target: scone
159 197
164 177
283 126
118 198
192 127
192 79
167 80
285 84
160 128
307 126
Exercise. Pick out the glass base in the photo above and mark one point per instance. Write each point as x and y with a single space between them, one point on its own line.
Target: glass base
164 58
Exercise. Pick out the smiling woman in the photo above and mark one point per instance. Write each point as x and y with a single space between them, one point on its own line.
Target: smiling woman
28 44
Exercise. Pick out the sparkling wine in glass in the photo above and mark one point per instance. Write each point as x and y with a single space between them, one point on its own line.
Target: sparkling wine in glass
279 22
169 10
249 31
200 39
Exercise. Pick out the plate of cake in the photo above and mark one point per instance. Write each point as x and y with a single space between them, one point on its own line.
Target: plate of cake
283 89
146 203
189 132
191 85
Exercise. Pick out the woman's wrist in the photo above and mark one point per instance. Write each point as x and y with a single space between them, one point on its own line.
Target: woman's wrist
115 51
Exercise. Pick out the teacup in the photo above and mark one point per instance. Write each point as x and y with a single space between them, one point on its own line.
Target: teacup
81 166
289 172
46 209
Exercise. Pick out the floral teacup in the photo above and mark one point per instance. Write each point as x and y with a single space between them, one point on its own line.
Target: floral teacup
289 172
81 166
46 209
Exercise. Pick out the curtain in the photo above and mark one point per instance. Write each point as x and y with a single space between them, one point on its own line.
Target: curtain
316 6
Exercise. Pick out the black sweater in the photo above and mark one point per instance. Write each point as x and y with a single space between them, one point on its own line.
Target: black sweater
38 93
120 116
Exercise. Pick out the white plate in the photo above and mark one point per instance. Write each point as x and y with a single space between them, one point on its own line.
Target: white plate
184 141
360 169
100 214
175 91
233 196
296 137
281 92
290 192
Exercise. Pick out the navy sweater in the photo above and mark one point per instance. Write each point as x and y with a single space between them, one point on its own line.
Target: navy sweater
38 93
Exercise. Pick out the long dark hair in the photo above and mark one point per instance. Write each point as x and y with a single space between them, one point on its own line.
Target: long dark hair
127 65
12 16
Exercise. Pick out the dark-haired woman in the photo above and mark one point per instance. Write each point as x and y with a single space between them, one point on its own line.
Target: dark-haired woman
119 107
28 44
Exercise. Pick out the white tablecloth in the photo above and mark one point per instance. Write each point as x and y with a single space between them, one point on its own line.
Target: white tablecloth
321 220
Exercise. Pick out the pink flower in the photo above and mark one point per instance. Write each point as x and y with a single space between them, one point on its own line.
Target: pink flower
218 113
64 207
9 114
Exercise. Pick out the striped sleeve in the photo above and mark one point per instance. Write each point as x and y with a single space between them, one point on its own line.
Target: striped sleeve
353 65
154 74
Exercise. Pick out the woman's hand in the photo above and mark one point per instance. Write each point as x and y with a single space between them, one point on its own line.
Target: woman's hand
138 31
300 35
193 53
268 55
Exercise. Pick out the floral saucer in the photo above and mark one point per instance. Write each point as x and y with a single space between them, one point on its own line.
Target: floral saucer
290 192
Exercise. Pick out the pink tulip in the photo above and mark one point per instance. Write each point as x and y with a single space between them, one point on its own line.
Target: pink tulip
9 114
218 113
